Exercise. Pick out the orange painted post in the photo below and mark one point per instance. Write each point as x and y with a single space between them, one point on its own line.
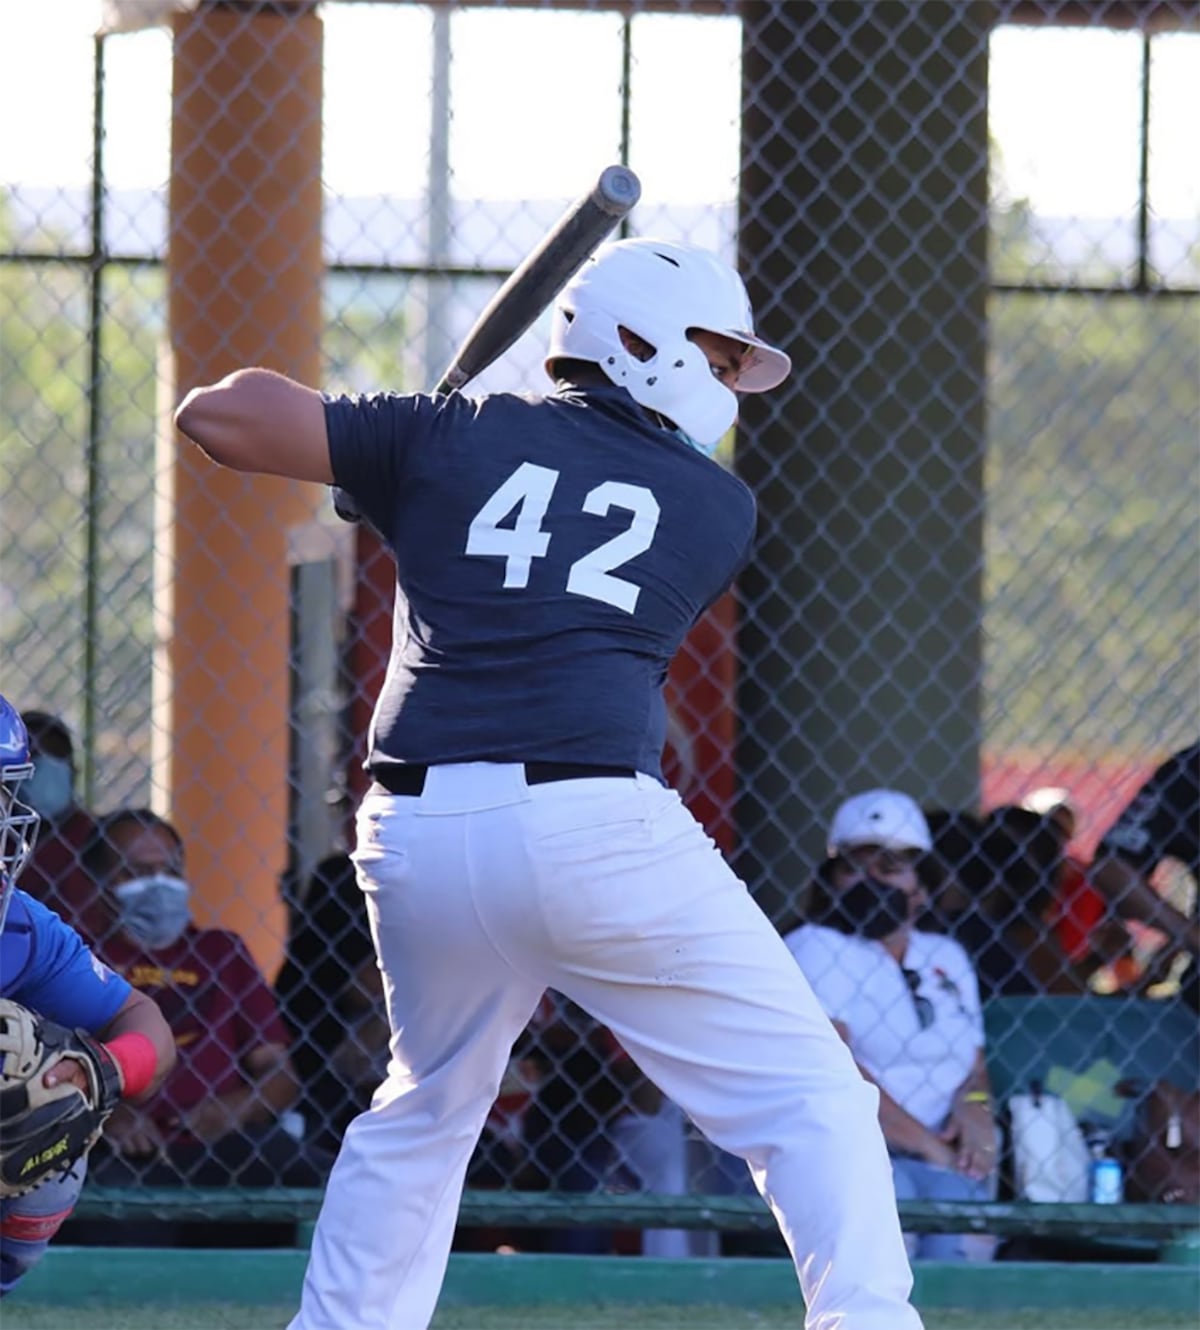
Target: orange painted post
245 269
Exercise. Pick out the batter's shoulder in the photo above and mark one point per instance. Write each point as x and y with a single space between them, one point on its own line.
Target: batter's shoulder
486 419
491 403
741 496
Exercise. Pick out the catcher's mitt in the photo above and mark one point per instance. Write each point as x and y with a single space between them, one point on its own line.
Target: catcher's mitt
44 1130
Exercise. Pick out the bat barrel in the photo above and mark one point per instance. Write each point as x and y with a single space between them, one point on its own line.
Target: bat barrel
617 190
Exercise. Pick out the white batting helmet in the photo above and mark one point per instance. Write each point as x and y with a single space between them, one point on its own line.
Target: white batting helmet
660 290
879 817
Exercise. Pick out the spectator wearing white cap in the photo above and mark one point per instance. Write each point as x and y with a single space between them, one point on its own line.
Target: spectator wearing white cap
907 1004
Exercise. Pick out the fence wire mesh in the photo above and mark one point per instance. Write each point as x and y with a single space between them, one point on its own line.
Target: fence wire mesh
977 229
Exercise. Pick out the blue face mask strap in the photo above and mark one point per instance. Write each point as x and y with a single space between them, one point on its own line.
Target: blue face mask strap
705 449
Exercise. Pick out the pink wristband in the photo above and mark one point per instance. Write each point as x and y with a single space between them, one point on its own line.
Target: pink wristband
136 1056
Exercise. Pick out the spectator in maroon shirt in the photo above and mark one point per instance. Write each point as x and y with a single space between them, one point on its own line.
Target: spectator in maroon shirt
217 1118
55 874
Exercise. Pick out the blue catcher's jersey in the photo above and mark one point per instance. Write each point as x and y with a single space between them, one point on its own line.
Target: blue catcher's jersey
45 966
551 555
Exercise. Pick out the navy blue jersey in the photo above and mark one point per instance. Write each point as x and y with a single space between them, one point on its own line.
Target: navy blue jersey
551 555
45 966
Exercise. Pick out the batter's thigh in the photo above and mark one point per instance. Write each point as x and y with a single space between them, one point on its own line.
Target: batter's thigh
455 1003
651 931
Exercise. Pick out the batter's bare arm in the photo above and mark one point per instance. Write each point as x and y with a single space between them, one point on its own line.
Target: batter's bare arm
257 420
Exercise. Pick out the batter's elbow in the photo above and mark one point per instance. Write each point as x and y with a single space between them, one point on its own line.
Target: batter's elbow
200 418
189 415
215 419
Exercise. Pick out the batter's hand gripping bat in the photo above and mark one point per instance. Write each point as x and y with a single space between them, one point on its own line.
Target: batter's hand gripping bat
532 286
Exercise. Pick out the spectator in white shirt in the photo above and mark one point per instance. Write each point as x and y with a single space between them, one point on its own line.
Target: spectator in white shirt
907 1004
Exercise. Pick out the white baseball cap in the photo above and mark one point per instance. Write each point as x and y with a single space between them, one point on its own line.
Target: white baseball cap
1048 799
880 817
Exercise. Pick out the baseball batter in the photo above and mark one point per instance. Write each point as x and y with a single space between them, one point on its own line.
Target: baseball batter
45 967
552 553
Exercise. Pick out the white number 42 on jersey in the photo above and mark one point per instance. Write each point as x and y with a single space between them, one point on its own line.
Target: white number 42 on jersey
527 492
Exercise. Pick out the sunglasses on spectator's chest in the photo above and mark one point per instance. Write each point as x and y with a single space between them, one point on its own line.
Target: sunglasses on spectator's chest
920 1001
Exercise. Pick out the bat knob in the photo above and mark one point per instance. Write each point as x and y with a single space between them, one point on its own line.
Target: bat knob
344 505
618 189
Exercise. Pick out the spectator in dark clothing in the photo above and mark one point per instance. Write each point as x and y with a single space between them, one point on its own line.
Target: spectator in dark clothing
992 885
219 1118
1097 943
1161 822
331 996
55 874
587 1082
956 836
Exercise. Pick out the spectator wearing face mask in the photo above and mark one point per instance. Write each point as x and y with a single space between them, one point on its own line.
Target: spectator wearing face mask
55 874
217 1118
907 1004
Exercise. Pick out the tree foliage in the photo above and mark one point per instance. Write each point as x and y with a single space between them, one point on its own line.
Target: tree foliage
1092 580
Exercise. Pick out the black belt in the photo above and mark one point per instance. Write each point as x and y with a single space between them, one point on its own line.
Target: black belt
410 778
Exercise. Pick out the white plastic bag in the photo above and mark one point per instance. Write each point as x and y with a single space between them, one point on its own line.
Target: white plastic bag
1050 1156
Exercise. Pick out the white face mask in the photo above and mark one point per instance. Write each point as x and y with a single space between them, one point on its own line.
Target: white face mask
50 790
155 910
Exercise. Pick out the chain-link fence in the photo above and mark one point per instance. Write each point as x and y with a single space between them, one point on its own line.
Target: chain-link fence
976 228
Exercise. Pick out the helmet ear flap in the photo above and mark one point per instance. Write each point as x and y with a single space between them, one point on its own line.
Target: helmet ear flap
678 383
592 335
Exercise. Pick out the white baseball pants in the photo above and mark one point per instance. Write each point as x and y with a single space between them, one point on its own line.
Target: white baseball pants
485 891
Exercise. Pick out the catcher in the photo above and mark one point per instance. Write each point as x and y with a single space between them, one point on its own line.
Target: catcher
74 1039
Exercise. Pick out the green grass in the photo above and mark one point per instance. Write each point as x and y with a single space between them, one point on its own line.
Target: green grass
779 1318
240 1317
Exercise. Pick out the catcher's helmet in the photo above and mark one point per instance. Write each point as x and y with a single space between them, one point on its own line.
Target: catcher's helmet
661 291
18 822
879 817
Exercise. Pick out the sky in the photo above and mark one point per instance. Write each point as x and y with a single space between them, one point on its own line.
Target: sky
1064 106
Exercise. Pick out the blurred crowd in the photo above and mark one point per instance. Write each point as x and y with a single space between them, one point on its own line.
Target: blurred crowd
916 919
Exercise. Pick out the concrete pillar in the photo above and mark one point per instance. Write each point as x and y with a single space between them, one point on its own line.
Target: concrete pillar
245 270
864 237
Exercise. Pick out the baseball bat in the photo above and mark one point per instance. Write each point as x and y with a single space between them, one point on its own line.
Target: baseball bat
543 274
533 285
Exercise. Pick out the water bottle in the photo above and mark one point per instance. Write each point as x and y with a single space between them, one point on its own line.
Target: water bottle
1106 1180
